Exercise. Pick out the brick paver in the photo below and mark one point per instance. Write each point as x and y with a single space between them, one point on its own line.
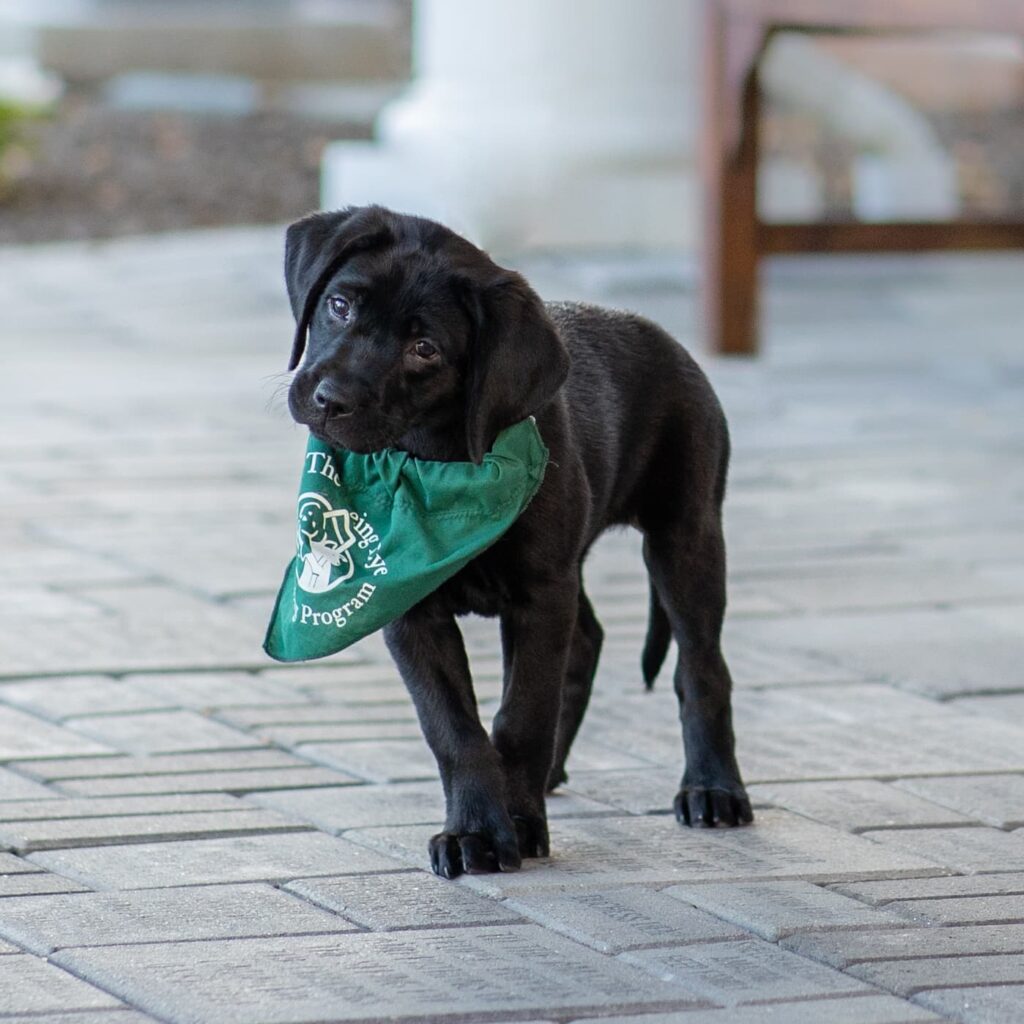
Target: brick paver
191 832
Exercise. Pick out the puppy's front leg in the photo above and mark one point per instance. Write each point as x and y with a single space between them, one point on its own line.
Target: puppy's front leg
537 637
478 833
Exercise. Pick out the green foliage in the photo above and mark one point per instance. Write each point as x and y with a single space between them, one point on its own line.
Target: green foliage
13 118
10 118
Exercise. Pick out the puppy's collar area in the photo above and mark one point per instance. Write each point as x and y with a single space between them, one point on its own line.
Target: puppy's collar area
377 533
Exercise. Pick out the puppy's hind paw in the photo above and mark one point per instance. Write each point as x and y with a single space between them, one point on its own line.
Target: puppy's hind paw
532 832
710 808
558 777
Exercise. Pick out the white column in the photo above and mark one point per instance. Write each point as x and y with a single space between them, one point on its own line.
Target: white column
539 123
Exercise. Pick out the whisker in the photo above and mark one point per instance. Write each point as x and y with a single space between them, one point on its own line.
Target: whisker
277 400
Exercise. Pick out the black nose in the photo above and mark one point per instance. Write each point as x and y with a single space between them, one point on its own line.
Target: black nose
328 397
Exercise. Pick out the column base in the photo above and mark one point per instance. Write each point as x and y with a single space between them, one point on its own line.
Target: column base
498 206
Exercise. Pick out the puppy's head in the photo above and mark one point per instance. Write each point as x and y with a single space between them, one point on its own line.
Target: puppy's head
407 327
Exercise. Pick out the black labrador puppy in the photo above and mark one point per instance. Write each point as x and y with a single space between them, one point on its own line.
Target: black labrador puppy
418 341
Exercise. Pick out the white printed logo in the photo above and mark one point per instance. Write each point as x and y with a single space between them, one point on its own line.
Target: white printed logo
324 538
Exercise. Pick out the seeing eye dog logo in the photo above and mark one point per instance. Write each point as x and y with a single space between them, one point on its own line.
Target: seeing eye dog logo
324 539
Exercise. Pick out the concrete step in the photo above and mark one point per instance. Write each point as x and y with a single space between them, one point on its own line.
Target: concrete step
365 41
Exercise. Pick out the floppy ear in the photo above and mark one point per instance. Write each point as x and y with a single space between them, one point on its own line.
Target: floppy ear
315 248
516 361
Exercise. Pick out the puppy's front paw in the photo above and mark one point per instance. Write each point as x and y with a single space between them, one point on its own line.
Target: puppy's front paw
710 807
474 853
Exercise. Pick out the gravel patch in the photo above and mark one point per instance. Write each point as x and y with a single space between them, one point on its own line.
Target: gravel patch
90 171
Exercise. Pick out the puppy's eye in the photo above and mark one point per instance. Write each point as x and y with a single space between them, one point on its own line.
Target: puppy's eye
339 307
424 350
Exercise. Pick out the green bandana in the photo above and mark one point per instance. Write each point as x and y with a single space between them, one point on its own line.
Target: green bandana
377 533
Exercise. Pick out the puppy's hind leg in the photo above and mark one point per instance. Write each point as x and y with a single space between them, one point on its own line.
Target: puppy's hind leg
587 639
687 568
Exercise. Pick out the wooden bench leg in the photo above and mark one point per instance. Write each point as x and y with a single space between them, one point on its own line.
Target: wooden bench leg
729 171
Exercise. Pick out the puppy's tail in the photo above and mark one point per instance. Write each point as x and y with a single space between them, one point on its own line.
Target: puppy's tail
659 633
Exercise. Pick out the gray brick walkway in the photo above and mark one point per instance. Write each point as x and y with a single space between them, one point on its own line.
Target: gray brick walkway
190 833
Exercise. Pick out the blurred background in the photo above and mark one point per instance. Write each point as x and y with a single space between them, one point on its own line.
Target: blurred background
151 154
527 125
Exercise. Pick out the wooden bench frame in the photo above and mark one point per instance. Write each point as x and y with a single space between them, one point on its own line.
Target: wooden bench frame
735 34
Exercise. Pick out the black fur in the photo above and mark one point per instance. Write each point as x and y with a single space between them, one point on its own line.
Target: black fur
637 438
